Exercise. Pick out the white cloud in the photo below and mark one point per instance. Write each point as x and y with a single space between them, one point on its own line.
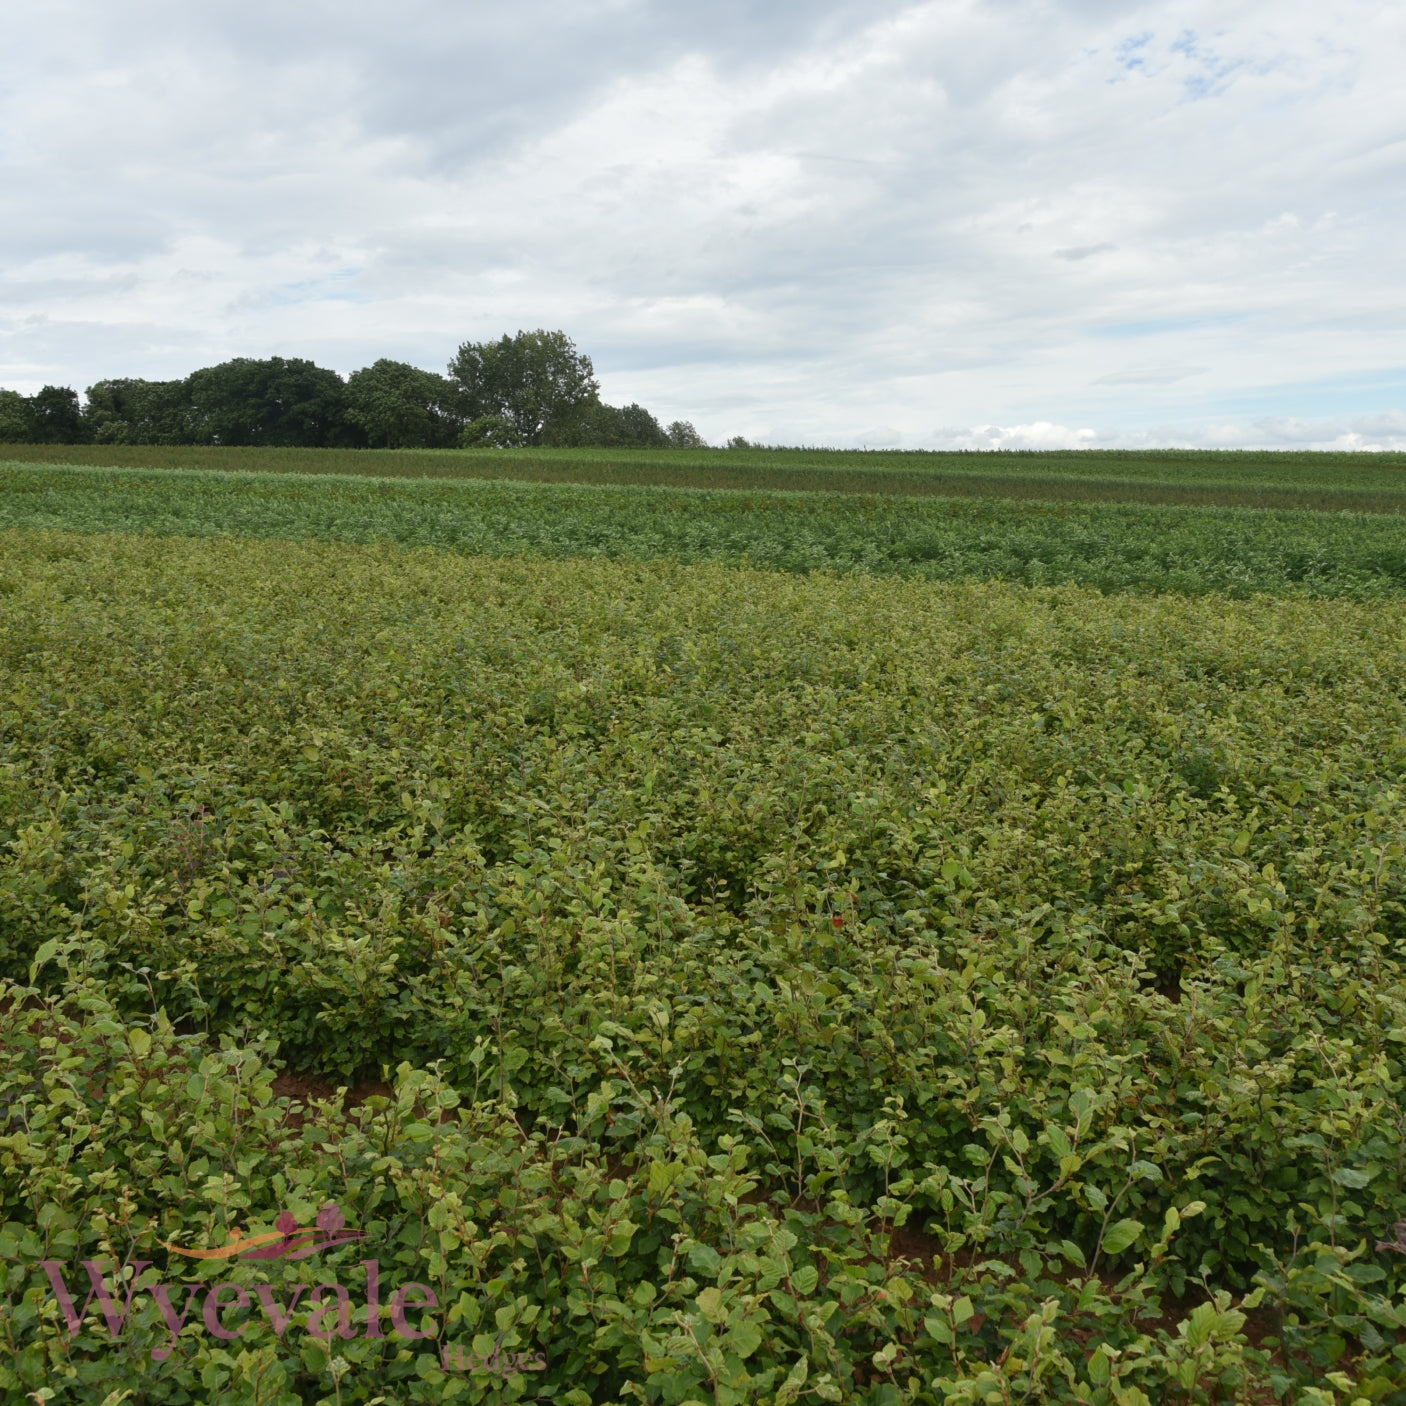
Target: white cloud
1371 434
800 222
1375 433
1041 435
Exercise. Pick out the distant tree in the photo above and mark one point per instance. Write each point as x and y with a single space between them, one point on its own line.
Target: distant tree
55 416
737 442
529 389
139 412
16 425
638 428
489 432
397 406
529 381
607 427
682 435
274 402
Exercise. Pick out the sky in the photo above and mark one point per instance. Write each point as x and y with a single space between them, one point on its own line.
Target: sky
969 223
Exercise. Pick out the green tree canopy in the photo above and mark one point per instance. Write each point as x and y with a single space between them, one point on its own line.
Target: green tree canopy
489 432
397 406
274 402
132 411
529 389
14 417
607 427
531 381
53 415
682 435
57 416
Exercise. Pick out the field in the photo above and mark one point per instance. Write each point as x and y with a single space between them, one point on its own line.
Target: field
970 971
1316 481
1110 546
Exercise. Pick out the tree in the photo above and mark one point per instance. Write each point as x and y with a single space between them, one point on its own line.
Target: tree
682 435
489 432
139 412
15 424
50 416
398 406
637 428
55 416
607 427
531 381
274 402
529 389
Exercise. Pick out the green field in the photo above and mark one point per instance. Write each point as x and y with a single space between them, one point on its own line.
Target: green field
779 947
1250 479
1109 546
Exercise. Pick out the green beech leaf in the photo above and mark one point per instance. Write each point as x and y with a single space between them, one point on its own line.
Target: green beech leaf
1120 1235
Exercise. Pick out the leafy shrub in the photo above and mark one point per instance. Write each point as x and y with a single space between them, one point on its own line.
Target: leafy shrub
1109 546
1059 933
650 1273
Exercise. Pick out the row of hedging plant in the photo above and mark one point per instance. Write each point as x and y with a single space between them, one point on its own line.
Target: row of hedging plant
1323 482
1059 933
1130 546
624 1255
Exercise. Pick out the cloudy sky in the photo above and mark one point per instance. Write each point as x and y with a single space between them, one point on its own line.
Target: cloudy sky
964 222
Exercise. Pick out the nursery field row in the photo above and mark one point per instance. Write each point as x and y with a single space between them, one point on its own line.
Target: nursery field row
1251 479
793 987
1112 547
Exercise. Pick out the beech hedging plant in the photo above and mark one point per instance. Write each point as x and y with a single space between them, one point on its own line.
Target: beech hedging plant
784 988
1141 546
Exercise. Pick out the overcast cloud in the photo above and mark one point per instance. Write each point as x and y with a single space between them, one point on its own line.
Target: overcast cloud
973 222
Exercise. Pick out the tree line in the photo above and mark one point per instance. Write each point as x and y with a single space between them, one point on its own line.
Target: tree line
531 389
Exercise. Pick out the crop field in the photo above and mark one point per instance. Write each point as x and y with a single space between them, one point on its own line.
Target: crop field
1322 482
1110 546
708 947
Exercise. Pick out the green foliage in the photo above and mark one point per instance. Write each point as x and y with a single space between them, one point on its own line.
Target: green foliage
488 432
531 389
270 402
649 1274
682 435
531 381
52 415
243 402
1112 547
634 425
138 412
397 406
736 937
608 426
15 424
1227 478
57 416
